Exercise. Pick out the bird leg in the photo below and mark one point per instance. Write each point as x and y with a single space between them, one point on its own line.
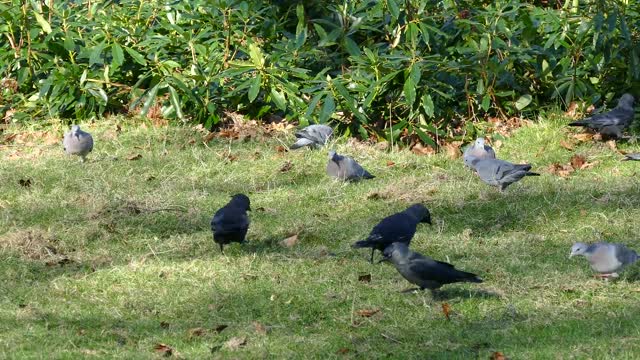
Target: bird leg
221 248
606 276
372 250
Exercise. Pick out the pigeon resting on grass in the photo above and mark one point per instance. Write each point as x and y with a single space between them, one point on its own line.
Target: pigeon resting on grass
611 123
231 223
605 258
634 156
345 168
424 271
500 173
313 136
77 142
399 227
478 150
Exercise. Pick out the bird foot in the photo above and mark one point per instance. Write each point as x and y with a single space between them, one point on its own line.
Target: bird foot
606 276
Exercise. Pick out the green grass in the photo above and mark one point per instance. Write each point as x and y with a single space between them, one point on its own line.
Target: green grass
110 258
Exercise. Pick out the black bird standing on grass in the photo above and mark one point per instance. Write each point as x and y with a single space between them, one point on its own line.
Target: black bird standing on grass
399 227
424 271
231 223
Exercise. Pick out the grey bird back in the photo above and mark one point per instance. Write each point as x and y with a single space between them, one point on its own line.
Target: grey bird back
345 168
313 136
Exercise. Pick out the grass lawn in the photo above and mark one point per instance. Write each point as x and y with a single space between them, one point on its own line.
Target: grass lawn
114 258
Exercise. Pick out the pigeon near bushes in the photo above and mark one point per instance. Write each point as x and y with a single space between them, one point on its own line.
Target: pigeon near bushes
399 227
605 258
634 156
478 150
313 136
424 271
77 142
611 123
346 168
231 222
500 173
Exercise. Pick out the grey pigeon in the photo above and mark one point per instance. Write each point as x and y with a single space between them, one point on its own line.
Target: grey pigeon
500 173
611 123
313 136
424 271
231 223
605 258
478 150
399 227
634 156
77 142
345 168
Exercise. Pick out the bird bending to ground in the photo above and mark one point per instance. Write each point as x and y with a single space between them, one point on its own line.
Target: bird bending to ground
313 136
424 271
605 258
345 168
611 123
77 142
500 173
231 222
399 227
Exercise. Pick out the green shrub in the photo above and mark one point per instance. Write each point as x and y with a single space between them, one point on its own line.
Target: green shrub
386 67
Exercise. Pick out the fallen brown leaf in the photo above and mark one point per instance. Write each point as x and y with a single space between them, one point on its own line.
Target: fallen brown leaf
566 145
342 351
134 157
577 161
613 146
452 149
583 137
498 356
446 309
286 166
419 149
260 329
235 343
365 278
367 312
195 332
290 241
561 170
228 133
390 163
163 349
210 136
281 148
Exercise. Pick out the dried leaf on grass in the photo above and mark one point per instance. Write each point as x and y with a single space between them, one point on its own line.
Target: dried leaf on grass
342 351
281 149
260 328
419 149
207 138
286 166
196 332
565 144
367 312
577 162
498 356
446 310
163 349
452 149
583 137
390 163
290 241
134 157
235 343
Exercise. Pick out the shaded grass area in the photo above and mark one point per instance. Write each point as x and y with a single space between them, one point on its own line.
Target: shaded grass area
113 257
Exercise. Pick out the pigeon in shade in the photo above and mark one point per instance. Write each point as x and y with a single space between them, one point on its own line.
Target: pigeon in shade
399 227
612 123
77 142
313 136
500 173
424 271
605 258
231 222
345 168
